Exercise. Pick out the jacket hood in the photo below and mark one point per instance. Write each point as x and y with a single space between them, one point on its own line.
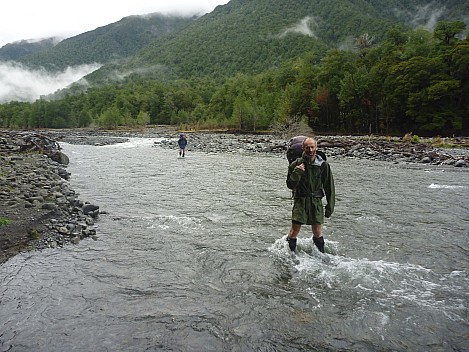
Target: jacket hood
318 160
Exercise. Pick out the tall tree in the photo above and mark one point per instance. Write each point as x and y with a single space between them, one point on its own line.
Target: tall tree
446 31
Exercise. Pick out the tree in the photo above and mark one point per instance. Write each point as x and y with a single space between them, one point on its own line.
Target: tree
143 118
331 71
459 63
110 118
356 101
364 42
446 31
429 94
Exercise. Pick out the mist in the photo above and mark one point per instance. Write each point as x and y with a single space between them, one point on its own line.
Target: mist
423 16
304 26
427 16
19 83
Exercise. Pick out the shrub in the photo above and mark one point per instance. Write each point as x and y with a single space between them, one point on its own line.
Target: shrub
35 234
4 221
437 142
407 138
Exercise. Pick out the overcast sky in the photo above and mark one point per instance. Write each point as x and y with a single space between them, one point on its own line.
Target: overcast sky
35 19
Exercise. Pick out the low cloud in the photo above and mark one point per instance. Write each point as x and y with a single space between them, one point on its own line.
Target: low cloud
424 16
20 83
427 16
306 26
348 44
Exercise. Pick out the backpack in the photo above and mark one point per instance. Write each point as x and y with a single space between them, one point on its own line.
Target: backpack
295 149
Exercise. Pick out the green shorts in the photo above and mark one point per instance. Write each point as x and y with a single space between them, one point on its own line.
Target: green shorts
308 211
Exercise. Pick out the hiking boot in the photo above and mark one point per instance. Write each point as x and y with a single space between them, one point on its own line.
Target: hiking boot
292 243
319 242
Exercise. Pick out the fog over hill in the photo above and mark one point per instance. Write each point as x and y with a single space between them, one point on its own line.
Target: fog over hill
19 83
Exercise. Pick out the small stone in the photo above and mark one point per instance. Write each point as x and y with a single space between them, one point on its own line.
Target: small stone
49 206
89 208
426 160
75 240
63 230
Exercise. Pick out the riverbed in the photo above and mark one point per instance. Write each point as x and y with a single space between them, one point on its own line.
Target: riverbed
191 256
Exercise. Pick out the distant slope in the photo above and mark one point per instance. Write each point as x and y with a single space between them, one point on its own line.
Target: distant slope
16 50
106 44
251 36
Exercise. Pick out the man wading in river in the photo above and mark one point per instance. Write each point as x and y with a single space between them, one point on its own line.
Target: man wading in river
310 178
182 143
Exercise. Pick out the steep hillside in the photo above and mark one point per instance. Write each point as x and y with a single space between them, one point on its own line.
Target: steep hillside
106 44
251 36
16 50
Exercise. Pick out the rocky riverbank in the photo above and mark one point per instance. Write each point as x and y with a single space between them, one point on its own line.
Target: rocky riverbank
374 148
39 210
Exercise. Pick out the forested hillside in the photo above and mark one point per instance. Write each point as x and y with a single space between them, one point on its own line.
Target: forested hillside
106 44
16 50
338 66
251 36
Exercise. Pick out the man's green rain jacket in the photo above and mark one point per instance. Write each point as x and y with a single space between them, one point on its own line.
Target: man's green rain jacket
309 187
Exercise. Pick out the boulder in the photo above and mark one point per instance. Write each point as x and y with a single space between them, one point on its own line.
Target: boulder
60 157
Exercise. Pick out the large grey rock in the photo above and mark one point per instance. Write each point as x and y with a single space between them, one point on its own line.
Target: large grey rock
89 209
60 157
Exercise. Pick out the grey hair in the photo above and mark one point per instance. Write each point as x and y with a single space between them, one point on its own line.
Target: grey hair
312 138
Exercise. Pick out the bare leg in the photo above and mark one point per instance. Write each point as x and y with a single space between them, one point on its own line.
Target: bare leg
295 230
317 237
291 238
316 228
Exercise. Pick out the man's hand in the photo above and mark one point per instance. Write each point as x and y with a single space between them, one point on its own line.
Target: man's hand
301 167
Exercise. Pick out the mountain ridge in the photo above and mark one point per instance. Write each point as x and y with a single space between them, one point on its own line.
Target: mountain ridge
104 44
240 36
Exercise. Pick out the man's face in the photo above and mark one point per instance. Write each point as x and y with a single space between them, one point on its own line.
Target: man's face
310 147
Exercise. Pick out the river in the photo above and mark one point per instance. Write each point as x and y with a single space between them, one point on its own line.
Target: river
191 256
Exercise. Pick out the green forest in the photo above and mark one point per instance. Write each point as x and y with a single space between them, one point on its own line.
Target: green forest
413 80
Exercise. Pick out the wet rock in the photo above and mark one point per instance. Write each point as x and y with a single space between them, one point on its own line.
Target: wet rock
90 209
460 163
49 206
60 157
426 160
63 230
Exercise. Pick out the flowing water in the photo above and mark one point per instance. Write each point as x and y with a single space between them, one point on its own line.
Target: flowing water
191 256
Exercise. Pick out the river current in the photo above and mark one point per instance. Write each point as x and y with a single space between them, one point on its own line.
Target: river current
191 256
